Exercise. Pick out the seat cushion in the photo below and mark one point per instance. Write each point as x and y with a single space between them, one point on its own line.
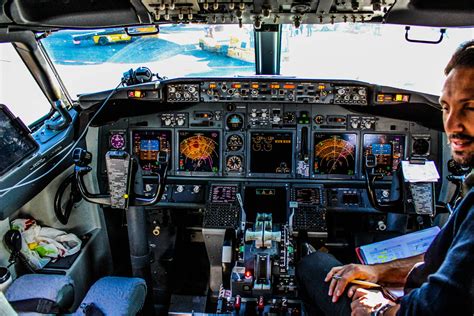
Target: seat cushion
58 288
116 296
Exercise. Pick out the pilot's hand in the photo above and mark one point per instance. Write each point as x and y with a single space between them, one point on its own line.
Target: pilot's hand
364 302
341 276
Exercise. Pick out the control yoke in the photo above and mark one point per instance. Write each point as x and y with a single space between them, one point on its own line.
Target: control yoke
121 170
393 206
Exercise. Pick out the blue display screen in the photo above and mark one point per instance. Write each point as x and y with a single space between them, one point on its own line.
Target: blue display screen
149 145
382 149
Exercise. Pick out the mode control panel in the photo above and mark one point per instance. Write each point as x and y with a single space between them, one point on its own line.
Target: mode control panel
281 91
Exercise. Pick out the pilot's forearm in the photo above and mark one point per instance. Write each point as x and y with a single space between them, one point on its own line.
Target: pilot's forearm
396 272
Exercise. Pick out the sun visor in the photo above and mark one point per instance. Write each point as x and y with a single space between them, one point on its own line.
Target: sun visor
77 13
455 13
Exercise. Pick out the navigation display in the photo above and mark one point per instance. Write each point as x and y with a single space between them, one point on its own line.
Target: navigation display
199 151
269 200
147 144
223 194
334 153
271 152
388 150
308 196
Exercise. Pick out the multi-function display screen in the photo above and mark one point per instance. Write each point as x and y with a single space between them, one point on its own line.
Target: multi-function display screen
334 153
388 150
199 151
271 152
223 193
147 144
308 196
269 200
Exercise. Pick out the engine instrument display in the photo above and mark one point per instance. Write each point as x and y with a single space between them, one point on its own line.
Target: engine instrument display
308 196
334 153
223 193
199 151
270 200
271 152
388 150
147 144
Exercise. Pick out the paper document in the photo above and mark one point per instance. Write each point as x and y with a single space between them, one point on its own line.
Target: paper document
426 172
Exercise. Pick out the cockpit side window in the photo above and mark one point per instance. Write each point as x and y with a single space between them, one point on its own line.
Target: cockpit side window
18 89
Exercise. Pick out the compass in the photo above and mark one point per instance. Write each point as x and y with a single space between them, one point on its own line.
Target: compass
117 141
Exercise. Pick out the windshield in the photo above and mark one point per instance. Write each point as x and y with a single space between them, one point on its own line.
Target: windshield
375 53
95 60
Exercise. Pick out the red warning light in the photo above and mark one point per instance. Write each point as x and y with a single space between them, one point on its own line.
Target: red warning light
248 275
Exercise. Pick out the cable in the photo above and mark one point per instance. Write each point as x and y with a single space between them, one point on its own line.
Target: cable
74 197
72 147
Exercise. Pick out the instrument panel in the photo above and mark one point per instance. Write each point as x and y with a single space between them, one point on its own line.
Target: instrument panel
246 132
270 141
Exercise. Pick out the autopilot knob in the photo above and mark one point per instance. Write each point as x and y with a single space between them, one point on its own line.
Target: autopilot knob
167 121
180 121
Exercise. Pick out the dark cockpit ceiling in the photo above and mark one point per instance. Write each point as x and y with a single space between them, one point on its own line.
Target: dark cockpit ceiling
76 13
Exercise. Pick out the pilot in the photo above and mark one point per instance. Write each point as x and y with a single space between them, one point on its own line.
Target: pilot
441 280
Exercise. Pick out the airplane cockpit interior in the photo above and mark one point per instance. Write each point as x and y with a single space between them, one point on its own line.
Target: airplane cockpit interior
182 156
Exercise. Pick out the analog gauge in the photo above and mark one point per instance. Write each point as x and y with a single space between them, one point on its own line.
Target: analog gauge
235 142
421 147
234 122
319 119
117 141
289 117
234 164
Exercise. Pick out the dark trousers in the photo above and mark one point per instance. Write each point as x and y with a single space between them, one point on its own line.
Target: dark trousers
310 274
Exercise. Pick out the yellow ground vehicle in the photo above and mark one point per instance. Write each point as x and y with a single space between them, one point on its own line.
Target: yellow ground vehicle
111 38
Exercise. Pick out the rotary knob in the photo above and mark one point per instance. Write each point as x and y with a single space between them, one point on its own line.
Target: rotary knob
179 188
354 123
196 189
180 121
167 121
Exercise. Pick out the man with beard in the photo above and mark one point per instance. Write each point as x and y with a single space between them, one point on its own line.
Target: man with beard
440 282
